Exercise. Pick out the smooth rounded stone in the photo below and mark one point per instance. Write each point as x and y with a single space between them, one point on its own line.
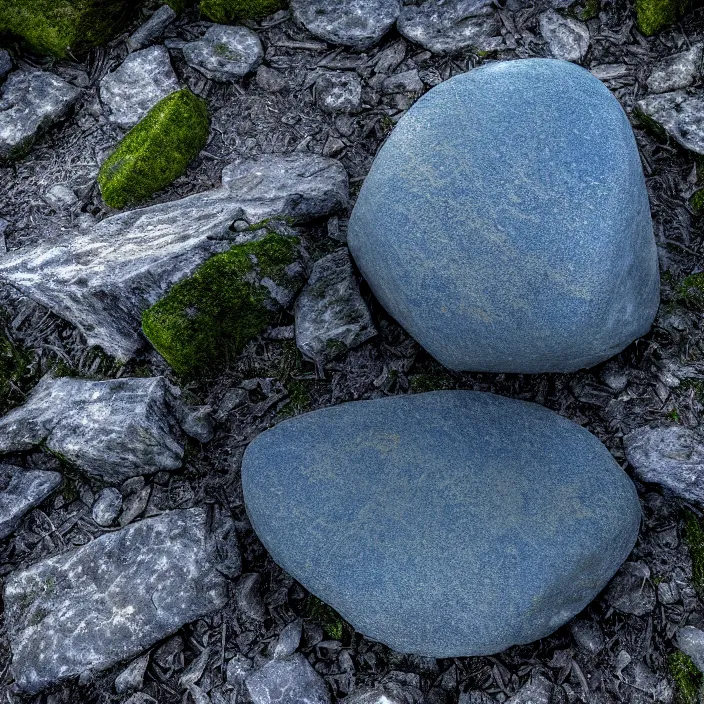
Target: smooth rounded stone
107 507
358 24
225 53
445 524
505 222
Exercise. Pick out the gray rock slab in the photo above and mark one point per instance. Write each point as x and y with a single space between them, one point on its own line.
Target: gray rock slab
358 24
567 38
289 681
152 29
505 222
537 691
690 641
112 598
20 491
451 26
102 279
111 430
679 114
677 71
421 518
30 102
5 63
671 456
137 85
225 53
107 506
406 82
331 315
339 91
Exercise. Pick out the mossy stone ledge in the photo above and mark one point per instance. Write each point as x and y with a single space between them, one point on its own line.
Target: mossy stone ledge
653 15
156 150
687 678
230 299
224 11
64 27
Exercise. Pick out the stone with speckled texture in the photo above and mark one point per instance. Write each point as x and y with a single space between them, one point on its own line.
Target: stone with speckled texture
505 222
450 523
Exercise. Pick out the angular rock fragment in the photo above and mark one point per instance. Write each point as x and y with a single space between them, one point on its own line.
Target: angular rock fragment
111 430
339 91
452 26
107 506
20 491
678 115
103 279
30 102
537 691
671 456
631 591
331 316
288 681
677 71
225 53
137 85
389 693
690 641
406 82
152 29
358 24
567 38
109 600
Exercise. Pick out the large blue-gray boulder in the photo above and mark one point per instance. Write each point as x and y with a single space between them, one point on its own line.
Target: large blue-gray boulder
450 523
505 222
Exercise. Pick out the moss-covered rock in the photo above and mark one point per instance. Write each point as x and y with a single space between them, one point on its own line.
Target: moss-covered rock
687 678
60 27
14 372
653 15
694 539
230 299
334 626
156 150
224 11
691 290
697 201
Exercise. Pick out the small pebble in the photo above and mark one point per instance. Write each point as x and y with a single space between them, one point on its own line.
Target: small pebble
107 507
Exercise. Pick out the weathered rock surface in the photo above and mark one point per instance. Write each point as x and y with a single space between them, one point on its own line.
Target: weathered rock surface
439 506
30 102
331 316
679 114
358 24
137 85
152 29
478 227
339 91
677 71
107 507
567 38
452 25
537 691
669 455
111 430
631 591
288 681
107 601
388 693
5 63
103 279
225 53
406 82
690 641
20 491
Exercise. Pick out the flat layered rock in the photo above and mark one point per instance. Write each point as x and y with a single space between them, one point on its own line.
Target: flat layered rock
137 85
111 430
679 115
109 600
30 102
677 71
103 279
567 38
225 53
438 508
20 491
287 681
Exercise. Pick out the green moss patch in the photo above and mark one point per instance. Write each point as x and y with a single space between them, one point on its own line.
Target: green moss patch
653 15
697 201
156 150
421 383
691 290
694 539
14 373
60 27
224 11
334 626
687 678
210 316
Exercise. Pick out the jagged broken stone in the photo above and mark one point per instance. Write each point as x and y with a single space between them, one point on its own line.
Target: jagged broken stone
132 676
588 635
358 24
88 609
452 26
677 71
339 91
288 681
631 591
152 29
225 53
690 641
30 102
137 85
567 38
671 456
679 114
406 82
387 693
102 279
107 506
289 640
5 63
111 430
331 316
20 491
537 691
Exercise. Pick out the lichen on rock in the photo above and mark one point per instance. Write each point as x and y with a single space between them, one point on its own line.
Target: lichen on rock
156 151
225 11
653 15
229 299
